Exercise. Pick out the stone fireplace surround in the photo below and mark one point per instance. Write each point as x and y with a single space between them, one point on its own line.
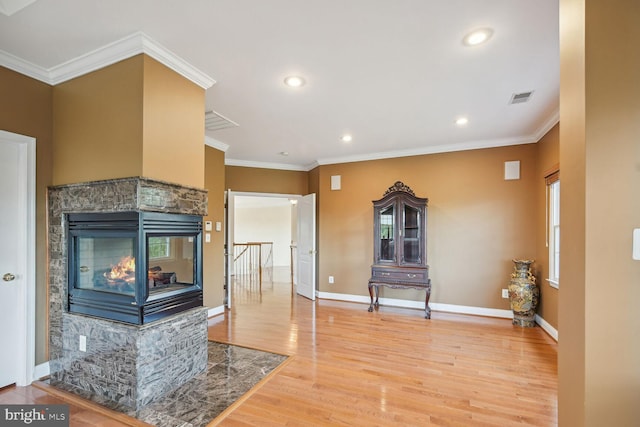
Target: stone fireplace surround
128 364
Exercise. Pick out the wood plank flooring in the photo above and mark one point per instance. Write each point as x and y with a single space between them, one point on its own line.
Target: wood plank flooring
390 367
387 368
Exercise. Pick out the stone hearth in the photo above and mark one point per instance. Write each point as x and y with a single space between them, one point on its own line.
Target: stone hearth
129 364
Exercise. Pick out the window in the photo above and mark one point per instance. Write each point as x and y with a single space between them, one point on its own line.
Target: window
159 247
553 227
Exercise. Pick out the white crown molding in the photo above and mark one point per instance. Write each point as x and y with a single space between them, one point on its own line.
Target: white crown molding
124 48
177 64
264 165
211 142
434 149
9 7
546 126
104 56
26 68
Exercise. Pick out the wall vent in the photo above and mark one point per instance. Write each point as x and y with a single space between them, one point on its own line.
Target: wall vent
216 121
519 98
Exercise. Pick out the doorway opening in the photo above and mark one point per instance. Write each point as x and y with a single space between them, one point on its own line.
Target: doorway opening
274 226
264 231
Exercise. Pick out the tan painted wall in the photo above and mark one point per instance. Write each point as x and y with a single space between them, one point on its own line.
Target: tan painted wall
261 180
133 118
213 255
25 108
98 127
476 222
548 153
173 127
571 304
612 211
599 374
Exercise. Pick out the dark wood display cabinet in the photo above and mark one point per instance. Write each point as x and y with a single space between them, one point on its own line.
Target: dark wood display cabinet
400 244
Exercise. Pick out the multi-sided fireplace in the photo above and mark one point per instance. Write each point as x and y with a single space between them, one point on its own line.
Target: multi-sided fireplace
134 267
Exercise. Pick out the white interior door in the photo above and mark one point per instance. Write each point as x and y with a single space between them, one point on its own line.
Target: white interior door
17 258
306 260
228 246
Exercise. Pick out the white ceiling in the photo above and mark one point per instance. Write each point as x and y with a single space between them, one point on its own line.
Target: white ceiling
394 74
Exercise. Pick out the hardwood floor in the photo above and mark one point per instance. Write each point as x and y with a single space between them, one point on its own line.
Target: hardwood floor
81 413
391 367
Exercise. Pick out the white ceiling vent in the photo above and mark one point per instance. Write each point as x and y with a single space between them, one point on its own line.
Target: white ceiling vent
519 98
216 121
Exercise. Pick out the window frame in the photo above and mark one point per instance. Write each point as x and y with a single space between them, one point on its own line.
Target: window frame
168 253
552 181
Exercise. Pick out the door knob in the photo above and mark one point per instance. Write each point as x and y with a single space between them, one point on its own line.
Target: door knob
8 277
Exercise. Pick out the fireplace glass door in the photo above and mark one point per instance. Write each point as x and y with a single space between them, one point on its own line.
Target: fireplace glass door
134 267
106 264
171 262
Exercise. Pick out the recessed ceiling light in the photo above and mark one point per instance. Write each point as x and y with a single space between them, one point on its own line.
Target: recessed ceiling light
477 37
284 153
294 81
462 121
346 138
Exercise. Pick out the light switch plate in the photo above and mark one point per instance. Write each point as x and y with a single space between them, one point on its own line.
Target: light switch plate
636 244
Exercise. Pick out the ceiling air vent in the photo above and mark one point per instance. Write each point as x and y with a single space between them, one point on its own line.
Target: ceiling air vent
519 98
216 121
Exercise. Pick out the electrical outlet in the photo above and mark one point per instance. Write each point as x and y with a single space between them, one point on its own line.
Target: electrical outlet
330 279
505 293
83 343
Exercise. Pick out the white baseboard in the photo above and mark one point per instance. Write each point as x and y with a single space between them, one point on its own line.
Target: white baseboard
553 332
343 297
447 308
41 371
215 311
392 302
476 311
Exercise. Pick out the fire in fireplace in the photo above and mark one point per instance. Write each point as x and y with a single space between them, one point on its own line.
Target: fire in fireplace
134 267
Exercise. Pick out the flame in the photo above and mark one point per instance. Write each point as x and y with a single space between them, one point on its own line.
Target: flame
124 270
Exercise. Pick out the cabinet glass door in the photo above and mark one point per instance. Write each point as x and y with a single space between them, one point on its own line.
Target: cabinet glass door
411 235
386 233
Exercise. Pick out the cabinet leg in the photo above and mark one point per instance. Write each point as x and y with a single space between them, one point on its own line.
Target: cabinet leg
427 309
373 289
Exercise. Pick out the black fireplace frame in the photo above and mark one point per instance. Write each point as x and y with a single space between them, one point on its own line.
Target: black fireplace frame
141 308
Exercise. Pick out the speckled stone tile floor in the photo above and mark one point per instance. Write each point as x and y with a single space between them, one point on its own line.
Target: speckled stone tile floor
231 372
